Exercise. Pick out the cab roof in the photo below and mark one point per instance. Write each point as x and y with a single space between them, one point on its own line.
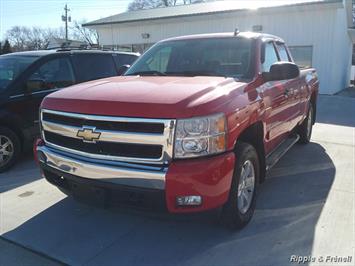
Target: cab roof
246 34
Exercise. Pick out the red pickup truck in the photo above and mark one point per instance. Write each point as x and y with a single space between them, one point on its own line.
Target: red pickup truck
193 125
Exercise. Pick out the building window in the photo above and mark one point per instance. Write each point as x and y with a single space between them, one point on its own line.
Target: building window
302 55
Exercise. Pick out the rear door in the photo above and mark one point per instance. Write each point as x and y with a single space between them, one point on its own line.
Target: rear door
92 66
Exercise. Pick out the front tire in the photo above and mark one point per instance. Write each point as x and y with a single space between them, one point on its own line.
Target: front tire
240 207
10 148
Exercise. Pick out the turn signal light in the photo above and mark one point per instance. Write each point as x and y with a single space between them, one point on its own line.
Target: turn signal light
37 142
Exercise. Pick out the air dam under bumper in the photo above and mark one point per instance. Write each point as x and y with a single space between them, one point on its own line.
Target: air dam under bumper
209 177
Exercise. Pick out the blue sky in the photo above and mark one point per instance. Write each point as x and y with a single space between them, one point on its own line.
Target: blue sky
47 13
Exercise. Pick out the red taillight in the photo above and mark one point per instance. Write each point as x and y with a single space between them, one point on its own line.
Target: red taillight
37 142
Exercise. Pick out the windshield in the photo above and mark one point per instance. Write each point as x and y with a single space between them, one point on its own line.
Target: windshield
11 66
227 57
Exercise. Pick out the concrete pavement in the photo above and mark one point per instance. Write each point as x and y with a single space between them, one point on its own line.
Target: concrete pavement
13 255
305 208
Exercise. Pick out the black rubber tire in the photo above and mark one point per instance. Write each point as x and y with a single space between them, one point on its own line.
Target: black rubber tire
17 148
231 217
303 130
65 191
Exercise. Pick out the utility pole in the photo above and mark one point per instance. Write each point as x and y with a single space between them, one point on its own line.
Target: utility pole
66 19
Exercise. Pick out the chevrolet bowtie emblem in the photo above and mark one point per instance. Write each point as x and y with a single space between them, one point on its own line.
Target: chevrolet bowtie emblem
88 134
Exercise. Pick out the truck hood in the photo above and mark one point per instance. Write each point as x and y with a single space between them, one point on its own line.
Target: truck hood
148 97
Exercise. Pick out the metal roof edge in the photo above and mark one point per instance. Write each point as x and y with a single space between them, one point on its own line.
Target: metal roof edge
98 23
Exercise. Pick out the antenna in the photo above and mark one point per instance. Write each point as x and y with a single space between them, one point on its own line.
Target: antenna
236 31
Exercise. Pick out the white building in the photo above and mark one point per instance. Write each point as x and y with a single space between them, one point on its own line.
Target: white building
56 43
319 33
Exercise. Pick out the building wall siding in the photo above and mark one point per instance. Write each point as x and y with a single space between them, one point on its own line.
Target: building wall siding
323 28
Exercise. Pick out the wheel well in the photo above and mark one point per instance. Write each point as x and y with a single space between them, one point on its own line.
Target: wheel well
254 135
15 129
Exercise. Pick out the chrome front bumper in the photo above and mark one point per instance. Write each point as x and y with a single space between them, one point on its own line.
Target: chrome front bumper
117 173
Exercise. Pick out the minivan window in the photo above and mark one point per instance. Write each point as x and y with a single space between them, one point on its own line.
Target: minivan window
124 59
54 74
94 66
11 66
226 57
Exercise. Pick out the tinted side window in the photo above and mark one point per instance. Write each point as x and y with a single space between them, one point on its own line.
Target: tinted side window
55 73
124 59
94 66
12 66
270 57
282 52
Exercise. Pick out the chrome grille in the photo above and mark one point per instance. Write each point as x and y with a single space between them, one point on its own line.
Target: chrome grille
136 140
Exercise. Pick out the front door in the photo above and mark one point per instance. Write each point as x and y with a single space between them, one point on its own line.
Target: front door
51 75
276 94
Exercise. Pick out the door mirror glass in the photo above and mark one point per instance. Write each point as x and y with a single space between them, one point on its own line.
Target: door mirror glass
282 71
123 69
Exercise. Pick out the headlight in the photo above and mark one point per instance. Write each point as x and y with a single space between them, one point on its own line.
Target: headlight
200 136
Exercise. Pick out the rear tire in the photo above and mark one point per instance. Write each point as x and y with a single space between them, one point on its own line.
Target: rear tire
305 129
10 148
240 207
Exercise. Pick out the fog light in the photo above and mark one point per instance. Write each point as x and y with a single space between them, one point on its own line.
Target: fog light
189 201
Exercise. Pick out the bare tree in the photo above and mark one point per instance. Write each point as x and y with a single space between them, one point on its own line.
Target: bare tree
147 4
143 4
24 38
17 37
87 35
38 38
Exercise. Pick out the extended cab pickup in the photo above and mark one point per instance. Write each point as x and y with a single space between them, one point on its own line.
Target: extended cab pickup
193 125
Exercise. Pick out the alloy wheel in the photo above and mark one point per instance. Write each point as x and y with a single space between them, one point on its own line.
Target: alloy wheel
6 150
246 186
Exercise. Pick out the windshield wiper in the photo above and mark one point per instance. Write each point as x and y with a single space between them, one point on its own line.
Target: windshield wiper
147 73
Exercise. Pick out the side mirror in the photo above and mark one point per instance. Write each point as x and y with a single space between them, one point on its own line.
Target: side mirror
35 85
122 69
282 71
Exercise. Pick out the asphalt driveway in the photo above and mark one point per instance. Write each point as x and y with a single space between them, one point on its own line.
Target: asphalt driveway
305 208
